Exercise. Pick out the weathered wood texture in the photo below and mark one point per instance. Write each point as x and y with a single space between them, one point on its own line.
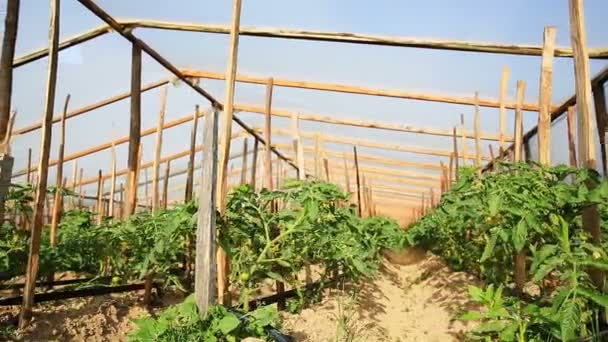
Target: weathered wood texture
190 174
134 131
571 123
358 177
519 126
544 98
58 198
504 83
11 22
158 146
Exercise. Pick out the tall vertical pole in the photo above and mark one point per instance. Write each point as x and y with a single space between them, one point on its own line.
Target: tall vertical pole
254 163
358 180
464 141
519 126
29 165
166 184
222 258
346 176
244 162
268 134
58 201
571 116
134 132
205 263
112 181
158 148
504 83
190 174
43 164
544 99
601 115
455 143
587 135
11 22
477 133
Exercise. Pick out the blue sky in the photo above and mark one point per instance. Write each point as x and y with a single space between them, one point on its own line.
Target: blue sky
99 69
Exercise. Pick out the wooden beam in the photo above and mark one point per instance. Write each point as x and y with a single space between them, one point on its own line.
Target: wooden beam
504 83
348 89
134 131
11 22
366 39
88 108
205 262
365 124
587 135
544 102
519 126
45 148
158 146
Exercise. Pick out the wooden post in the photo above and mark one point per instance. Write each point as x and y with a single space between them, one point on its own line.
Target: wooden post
317 155
29 165
477 129
504 83
571 116
346 176
464 141
121 201
445 178
158 148
99 196
326 167
146 179
222 258
244 162
134 132
45 147
587 135
254 163
11 22
58 201
268 134
358 180
455 153
73 185
205 274
166 184
190 174
80 189
112 182
519 126
544 99
297 144
601 115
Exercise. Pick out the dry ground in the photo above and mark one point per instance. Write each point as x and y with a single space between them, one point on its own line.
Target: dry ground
414 299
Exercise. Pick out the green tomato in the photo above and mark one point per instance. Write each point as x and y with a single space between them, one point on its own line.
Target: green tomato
244 277
115 280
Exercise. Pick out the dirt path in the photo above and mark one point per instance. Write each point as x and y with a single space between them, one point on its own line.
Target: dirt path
415 300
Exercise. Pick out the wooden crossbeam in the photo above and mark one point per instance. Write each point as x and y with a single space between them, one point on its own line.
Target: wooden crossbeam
366 124
341 88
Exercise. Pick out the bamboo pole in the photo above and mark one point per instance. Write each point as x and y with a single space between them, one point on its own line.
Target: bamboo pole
58 200
504 83
587 134
244 162
45 147
11 22
356 161
546 86
223 263
349 89
158 148
166 184
477 127
464 141
134 131
519 126
190 175
29 165
329 119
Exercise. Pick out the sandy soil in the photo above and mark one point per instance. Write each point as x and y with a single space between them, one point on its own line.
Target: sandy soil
414 299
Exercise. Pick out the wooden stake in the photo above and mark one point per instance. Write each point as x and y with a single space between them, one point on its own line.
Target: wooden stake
268 134
544 99
11 23
601 115
455 153
464 141
453 158
326 167
504 83
587 134
205 274
29 165
244 162
112 183
519 126
297 144
347 177
477 129
571 120
190 175
100 204
58 200
74 180
158 148
121 200
254 163
80 189
134 131
358 180
317 156
222 258
45 147
166 184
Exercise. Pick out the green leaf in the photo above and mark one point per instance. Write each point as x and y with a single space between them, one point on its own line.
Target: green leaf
508 334
546 268
519 236
228 323
489 248
476 293
493 204
471 316
569 320
593 295
493 326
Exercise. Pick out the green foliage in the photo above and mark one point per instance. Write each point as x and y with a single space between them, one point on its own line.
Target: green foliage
313 227
182 322
483 221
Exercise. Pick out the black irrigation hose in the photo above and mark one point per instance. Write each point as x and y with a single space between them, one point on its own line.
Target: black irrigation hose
275 334
55 283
